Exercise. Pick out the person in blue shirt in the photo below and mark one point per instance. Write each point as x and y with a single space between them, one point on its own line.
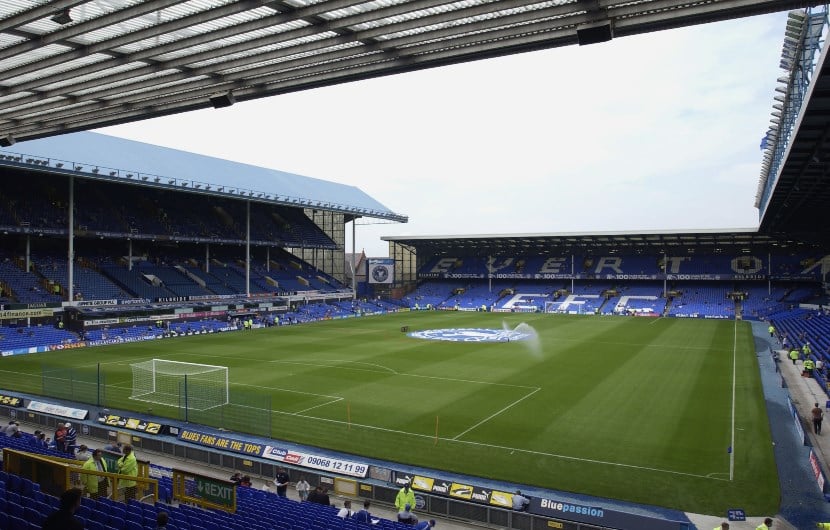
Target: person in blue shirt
425 525
363 515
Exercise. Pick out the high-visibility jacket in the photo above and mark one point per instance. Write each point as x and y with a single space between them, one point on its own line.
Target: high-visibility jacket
405 496
91 481
127 465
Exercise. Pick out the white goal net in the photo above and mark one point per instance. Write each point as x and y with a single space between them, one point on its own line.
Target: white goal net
178 384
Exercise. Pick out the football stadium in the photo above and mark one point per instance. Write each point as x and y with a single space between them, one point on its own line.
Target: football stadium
198 318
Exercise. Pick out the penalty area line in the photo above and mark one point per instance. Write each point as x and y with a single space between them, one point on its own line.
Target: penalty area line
491 416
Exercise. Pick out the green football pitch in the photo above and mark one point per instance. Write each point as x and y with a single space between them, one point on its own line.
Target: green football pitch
644 410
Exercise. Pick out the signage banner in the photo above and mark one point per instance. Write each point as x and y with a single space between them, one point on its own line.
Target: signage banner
380 270
26 313
816 467
222 442
11 401
58 410
134 424
323 463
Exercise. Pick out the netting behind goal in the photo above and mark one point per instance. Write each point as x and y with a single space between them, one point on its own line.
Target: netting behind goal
178 384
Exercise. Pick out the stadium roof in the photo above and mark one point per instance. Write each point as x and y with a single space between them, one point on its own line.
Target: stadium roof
800 202
98 156
705 241
70 65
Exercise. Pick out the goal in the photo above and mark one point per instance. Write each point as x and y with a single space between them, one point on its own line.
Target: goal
552 307
179 384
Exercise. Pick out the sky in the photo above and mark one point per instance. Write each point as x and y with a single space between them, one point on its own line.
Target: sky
653 132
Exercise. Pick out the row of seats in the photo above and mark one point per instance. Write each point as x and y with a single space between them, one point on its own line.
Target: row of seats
23 506
114 208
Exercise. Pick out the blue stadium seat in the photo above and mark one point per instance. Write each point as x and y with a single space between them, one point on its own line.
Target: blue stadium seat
34 516
17 523
12 508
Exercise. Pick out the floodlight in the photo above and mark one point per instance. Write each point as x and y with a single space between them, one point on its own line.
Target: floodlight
144 178
171 181
184 184
207 187
62 17
221 189
220 101
112 173
197 186
95 170
7 141
30 160
59 164
157 179
78 168
129 175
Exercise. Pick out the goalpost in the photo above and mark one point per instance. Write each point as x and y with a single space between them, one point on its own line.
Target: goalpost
179 384
552 307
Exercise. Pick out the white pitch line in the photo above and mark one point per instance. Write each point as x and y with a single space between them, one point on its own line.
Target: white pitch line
655 320
478 444
734 375
386 370
491 416
320 405
328 363
287 390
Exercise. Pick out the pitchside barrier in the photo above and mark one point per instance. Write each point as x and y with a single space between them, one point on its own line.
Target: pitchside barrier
56 475
379 486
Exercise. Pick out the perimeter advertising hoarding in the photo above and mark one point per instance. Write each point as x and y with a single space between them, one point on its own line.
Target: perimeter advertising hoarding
279 454
11 401
602 517
134 424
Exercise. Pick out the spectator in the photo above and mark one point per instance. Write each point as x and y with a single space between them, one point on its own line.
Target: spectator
96 486
405 496
817 415
346 511
406 516
41 441
722 526
83 453
71 437
281 481
520 502
266 487
767 524
113 448
236 478
425 525
161 520
127 465
64 518
363 515
60 438
319 496
302 488
12 429
245 482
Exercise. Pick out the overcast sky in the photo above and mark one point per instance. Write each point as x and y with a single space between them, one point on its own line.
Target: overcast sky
654 132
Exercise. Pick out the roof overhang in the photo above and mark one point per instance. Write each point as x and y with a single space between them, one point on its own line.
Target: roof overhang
70 65
735 241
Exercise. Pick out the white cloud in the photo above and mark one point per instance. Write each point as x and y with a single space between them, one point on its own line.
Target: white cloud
657 131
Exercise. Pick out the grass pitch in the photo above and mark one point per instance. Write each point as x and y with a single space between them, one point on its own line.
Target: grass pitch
642 410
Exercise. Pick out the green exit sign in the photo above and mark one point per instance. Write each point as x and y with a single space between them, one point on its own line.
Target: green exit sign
216 492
